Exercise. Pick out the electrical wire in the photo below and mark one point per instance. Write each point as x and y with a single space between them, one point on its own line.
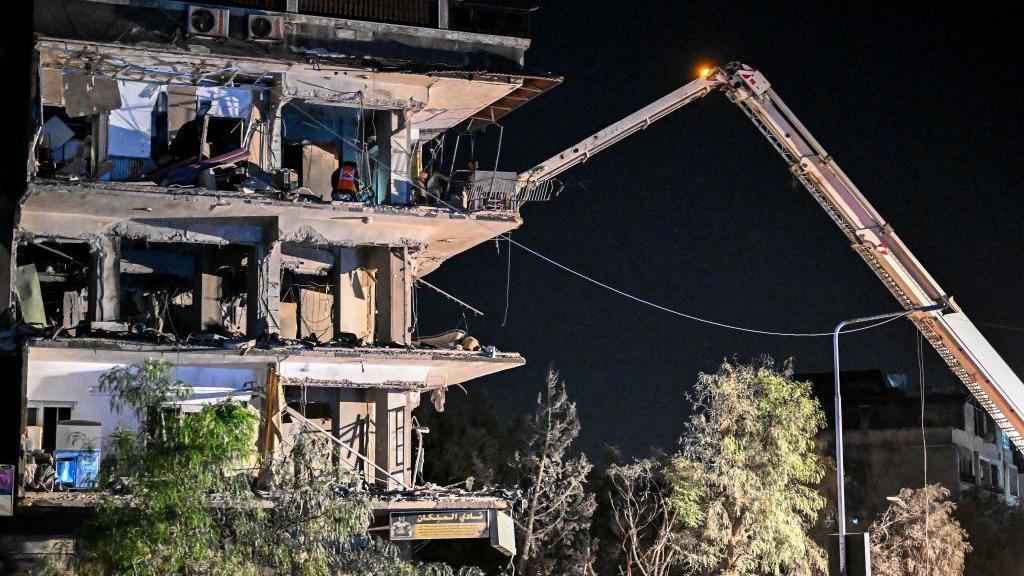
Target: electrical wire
508 283
924 451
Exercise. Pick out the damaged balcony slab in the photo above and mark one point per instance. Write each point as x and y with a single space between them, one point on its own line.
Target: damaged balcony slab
89 211
386 368
441 98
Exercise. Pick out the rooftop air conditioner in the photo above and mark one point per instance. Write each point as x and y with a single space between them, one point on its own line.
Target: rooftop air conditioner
210 22
266 28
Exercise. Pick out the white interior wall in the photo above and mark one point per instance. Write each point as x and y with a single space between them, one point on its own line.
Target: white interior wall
76 383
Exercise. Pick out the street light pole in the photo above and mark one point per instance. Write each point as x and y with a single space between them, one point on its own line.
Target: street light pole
840 487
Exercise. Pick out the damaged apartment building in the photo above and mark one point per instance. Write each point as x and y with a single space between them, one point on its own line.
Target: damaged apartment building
236 189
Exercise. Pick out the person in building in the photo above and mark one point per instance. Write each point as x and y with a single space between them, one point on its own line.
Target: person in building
343 183
432 187
471 198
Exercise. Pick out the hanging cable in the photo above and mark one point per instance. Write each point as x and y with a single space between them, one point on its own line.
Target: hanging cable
508 280
497 158
418 280
924 450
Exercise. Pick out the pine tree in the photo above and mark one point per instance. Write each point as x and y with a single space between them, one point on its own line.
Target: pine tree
553 529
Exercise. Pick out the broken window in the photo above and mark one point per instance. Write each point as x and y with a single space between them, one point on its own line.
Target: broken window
42 420
307 308
184 289
328 295
339 151
142 288
51 282
65 144
125 130
965 464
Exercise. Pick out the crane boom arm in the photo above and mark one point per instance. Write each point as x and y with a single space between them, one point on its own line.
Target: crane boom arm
959 343
631 124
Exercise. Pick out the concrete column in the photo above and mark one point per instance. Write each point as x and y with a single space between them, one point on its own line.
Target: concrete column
274 105
105 279
206 294
263 305
402 149
394 296
338 278
383 124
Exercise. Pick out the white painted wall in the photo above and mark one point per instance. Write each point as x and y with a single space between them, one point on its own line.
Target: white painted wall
77 383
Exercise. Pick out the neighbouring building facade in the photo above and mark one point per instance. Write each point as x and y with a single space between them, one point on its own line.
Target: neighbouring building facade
232 187
882 441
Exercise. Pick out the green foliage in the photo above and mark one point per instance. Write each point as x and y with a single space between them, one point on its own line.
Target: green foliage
311 519
743 485
919 536
191 509
179 468
143 387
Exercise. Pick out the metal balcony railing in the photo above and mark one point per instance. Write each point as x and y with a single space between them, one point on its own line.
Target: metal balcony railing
502 191
408 12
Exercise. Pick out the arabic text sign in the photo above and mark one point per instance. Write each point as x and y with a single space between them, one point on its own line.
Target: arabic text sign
449 524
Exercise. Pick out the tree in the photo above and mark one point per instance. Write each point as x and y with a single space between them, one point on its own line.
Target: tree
171 522
646 524
744 481
918 536
190 508
554 528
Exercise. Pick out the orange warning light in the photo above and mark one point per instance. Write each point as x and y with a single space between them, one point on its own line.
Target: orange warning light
705 71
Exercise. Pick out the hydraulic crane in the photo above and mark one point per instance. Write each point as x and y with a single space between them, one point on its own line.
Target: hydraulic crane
960 344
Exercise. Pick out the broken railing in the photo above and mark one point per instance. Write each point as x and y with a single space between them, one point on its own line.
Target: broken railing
503 191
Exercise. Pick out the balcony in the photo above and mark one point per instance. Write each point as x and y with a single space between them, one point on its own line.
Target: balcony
502 191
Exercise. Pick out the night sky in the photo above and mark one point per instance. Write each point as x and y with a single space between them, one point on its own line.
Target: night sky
699 213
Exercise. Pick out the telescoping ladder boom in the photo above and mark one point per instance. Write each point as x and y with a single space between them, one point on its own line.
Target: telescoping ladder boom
960 344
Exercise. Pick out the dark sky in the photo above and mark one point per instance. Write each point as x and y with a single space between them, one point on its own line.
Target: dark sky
918 106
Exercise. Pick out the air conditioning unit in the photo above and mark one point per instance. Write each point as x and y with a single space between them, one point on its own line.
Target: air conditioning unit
209 22
266 28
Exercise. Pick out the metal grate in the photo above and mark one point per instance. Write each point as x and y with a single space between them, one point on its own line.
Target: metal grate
502 191
406 12
269 5
463 16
